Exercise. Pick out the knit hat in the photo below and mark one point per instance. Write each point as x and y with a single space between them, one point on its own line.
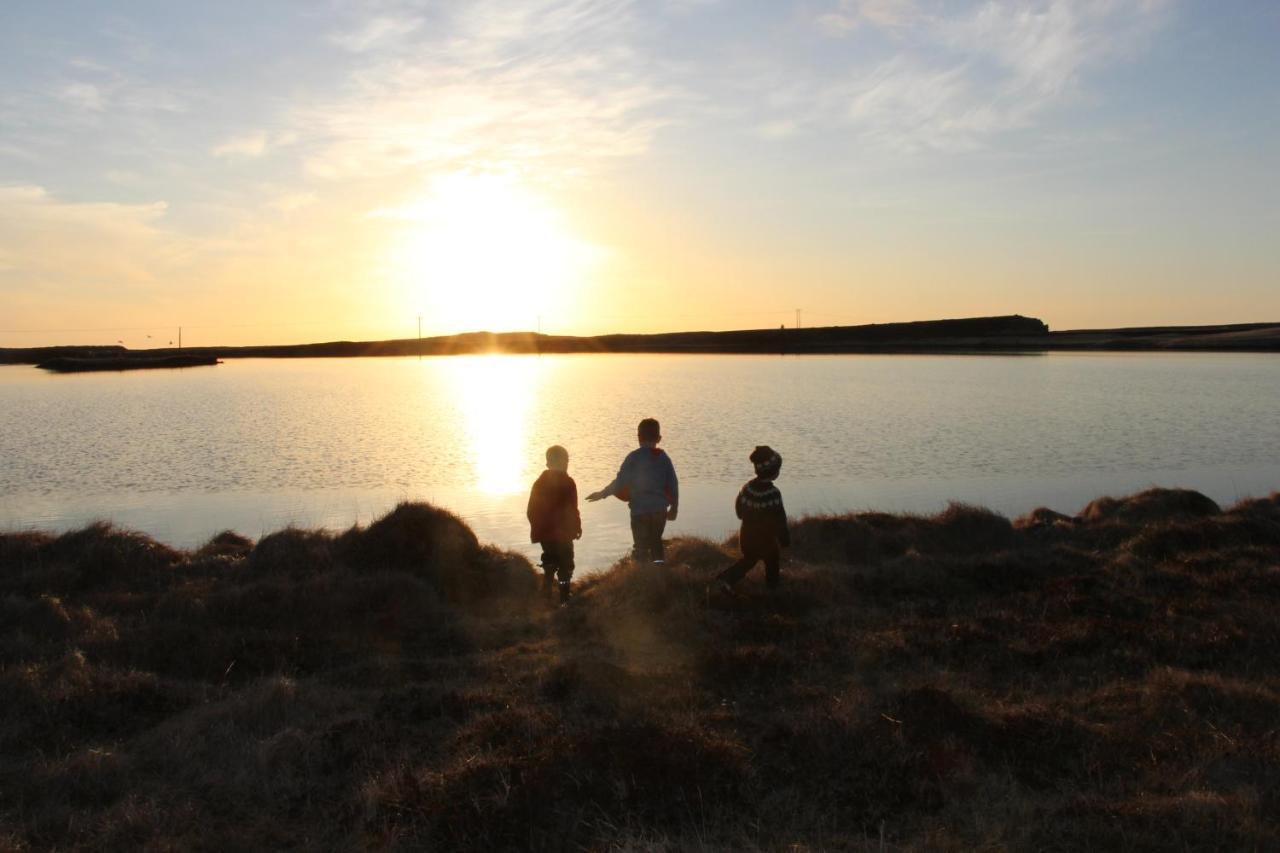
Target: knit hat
767 461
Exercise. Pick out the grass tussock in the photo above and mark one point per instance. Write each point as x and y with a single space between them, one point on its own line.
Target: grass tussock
952 682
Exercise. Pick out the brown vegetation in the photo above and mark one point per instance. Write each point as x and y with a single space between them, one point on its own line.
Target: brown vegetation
955 682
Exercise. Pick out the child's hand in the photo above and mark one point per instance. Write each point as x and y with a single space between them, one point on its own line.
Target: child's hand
595 496
672 513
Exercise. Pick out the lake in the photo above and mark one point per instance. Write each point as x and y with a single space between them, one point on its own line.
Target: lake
256 444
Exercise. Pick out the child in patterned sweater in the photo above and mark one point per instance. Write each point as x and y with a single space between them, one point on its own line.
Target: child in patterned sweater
764 522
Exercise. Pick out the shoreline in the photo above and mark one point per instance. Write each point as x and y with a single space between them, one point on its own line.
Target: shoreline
947 681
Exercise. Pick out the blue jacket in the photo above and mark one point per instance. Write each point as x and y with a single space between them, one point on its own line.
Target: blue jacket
646 481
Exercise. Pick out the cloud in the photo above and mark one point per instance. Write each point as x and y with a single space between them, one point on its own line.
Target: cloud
551 86
85 96
780 129
292 202
375 32
16 152
849 15
116 246
248 145
959 76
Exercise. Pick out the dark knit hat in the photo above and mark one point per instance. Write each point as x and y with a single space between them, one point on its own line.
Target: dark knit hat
767 461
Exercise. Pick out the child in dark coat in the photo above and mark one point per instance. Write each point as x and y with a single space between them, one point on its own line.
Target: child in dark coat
764 522
554 520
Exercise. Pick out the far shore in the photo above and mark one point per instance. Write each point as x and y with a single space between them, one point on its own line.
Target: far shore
1009 334
958 681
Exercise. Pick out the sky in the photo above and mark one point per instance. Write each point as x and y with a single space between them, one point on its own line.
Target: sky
336 169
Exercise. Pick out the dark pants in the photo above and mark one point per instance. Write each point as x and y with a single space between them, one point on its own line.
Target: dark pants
558 557
752 555
646 533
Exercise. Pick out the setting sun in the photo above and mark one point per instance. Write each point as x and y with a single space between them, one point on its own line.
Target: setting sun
483 251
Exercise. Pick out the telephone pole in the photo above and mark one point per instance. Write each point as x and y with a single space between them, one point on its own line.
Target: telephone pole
179 337
797 318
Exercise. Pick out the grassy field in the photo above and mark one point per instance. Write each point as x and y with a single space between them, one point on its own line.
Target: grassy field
957 682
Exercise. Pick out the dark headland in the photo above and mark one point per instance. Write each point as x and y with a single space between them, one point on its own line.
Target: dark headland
959 682
1013 333
140 361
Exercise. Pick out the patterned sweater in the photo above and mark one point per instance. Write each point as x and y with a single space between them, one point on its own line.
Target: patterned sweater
764 518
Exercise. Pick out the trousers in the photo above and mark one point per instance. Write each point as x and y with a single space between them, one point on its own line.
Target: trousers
557 557
751 555
646 534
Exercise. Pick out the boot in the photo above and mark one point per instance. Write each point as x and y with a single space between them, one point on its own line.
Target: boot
564 593
548 581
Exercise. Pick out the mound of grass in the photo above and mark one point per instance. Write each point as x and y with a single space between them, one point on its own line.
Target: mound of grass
950 682
1153 505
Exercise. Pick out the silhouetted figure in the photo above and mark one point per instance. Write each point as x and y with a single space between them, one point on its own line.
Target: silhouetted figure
554 520
764 522
647 482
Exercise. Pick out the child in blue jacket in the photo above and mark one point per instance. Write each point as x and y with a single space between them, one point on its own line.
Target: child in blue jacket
647 482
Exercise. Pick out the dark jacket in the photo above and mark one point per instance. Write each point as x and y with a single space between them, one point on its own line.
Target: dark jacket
764 518
553 508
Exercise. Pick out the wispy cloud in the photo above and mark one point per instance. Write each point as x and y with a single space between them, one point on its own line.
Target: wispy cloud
553 86
118 245
849 15
375 32
247 145
85 96
956 77
289 203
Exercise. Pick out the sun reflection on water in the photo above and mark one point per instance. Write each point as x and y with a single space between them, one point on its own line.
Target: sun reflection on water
494 394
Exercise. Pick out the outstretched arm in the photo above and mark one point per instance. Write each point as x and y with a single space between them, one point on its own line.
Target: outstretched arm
612 488
603 493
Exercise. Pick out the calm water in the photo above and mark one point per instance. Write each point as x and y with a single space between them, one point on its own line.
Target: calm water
257 444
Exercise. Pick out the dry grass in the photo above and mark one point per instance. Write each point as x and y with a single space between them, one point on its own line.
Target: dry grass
956 682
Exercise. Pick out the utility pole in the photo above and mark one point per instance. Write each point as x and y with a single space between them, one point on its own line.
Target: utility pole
419 336
797 318
179 337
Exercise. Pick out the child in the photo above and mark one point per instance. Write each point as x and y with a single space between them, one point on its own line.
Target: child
647 482
554 520
764 522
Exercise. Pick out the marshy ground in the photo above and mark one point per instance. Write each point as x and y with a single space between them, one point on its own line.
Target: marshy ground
956 682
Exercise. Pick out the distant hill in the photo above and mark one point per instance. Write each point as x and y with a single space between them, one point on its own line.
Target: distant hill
975 334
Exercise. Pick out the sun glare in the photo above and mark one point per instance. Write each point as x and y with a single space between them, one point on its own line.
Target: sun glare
484 252
494 393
